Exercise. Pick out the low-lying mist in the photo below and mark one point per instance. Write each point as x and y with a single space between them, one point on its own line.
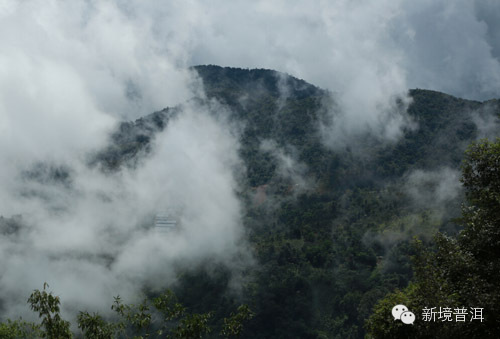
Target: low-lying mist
90 234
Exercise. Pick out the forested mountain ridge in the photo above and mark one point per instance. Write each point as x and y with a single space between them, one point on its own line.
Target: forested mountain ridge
327 253
330 228
288 110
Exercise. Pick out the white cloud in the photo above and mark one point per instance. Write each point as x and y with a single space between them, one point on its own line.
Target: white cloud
95 238
433 189
369 53
70 70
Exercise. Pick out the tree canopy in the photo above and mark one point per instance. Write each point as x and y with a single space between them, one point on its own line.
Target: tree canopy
158 317
460 272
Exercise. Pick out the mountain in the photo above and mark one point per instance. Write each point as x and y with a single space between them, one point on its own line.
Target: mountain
328 252
330 227
287 110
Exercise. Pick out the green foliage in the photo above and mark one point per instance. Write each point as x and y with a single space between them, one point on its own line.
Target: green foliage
94 326
19 329
481 179
461 272
47 306
192 326
381 323
158 317
233 326
162 316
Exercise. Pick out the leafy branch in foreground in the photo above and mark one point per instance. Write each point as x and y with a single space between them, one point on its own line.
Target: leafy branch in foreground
19 329
233 326
47 306
161 317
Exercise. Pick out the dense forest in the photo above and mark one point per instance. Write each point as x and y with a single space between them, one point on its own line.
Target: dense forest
332 228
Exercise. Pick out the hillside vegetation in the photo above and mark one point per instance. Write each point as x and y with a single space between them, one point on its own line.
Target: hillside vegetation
332 233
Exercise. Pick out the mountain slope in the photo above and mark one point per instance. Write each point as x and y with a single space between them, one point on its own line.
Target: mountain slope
331 232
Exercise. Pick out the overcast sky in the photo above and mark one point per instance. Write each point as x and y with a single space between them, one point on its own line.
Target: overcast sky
70 70
126 58
450 46
118 47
